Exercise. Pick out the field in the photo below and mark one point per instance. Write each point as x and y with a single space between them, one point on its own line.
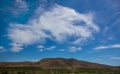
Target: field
36 70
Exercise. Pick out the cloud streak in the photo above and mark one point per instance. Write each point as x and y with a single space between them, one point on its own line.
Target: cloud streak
16 47
115 58
51 48
19 7
2 49
42 48
58 24
74 49
107 47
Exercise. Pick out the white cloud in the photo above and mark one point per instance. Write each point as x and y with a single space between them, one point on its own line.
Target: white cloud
107 47
16 47
51 48
115 58
74 49
57 24
40 46
62 50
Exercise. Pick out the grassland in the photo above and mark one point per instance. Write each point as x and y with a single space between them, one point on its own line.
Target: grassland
36 70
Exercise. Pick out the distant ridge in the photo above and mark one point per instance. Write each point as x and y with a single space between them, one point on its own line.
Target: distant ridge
57 63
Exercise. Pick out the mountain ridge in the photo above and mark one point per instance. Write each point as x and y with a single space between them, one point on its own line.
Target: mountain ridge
57 63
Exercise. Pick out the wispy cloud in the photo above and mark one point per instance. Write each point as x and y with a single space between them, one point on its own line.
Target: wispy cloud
62 50
74 49
42 48
2 49
58 24
51 48
21 4
18 7
115 58
16 47
107 47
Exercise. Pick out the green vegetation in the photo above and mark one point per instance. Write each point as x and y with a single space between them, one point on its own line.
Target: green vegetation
36 70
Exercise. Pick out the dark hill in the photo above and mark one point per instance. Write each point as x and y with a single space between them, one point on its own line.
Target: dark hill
56 63
68 63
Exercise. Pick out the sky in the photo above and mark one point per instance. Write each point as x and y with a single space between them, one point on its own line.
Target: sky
87 30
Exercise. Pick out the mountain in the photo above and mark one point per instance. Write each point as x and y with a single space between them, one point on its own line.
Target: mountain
56 63
68 63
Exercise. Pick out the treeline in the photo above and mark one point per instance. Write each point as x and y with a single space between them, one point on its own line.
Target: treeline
35 70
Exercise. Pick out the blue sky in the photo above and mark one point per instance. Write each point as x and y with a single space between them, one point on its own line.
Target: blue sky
82 29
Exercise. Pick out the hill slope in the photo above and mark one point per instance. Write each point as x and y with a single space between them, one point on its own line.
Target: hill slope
55 63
